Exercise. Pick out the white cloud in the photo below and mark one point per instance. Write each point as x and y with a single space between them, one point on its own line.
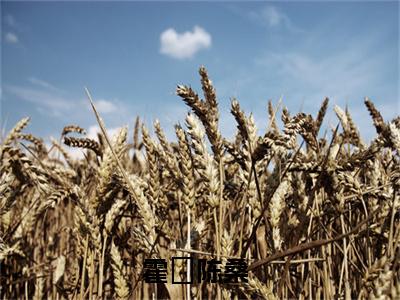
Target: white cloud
75 153
78 153
11 38
184 45
104 106
95 129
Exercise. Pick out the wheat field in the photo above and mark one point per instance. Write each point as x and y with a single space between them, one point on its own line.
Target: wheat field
312 217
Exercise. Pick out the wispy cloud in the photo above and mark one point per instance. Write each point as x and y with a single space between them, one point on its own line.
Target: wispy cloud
273 17
49 98
184 45
11 38
44 100
345 77
307 74
43 84
11 27
339 75
9 20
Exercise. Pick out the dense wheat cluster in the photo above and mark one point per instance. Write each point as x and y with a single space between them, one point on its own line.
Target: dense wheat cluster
313 217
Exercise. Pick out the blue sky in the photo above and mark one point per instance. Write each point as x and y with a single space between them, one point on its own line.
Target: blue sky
131 56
